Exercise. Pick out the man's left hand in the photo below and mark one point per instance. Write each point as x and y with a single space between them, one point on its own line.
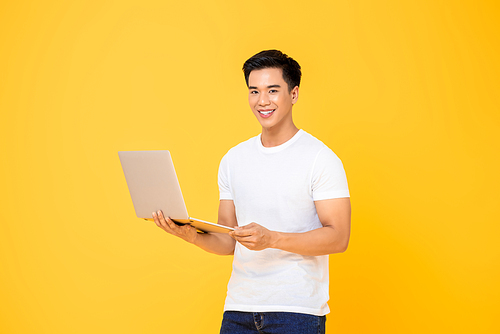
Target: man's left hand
254 236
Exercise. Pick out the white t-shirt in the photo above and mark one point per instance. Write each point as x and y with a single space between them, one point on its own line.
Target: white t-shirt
276 187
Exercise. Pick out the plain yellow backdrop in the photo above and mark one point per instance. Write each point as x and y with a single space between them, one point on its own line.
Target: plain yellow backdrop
405 92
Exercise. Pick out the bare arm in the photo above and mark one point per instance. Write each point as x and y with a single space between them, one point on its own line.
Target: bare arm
333 237
217 243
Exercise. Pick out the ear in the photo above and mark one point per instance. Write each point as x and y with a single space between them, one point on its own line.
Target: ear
295 94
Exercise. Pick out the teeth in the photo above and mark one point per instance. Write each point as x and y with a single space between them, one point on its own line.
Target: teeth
266 112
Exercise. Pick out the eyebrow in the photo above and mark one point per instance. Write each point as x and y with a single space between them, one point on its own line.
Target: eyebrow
270 86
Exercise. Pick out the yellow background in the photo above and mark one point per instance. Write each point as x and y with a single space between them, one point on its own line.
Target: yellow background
405 92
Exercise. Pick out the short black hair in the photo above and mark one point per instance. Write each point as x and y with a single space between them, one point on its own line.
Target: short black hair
274 59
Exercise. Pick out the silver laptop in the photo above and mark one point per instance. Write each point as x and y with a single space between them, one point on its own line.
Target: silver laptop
153 185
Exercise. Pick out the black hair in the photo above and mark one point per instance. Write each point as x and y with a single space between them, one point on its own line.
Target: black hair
274 59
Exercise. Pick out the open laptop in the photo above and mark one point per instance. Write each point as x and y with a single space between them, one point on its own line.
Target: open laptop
153 185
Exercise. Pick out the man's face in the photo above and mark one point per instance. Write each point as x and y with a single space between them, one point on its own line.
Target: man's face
269 98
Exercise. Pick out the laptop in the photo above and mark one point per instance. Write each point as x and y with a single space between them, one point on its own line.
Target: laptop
153 185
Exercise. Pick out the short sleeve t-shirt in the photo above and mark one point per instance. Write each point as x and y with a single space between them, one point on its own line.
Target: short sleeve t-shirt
276 187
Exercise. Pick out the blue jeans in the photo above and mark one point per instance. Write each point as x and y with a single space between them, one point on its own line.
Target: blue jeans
272 323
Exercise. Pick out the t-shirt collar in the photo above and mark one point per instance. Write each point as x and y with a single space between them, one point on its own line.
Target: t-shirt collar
278 148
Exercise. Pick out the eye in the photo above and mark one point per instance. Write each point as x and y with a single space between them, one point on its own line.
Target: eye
272 91
254 92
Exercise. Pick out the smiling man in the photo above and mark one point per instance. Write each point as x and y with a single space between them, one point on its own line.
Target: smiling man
286 194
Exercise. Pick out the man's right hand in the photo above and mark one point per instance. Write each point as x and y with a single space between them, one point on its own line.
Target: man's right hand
216 243
185 232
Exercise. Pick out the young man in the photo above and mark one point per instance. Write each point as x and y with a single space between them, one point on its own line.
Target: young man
286 194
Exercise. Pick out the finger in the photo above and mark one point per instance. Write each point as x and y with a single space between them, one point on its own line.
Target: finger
249 245
185 231
172 227
231 234
178 229
156 220
243 233
247 228
171 223
164 224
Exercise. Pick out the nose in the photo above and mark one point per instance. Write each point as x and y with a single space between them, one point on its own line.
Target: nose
264 99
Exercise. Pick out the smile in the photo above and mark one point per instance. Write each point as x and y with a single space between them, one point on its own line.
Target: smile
266 113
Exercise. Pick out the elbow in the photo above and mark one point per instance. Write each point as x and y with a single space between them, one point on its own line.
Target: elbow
228 250
343 249
340 247
221 253
228 253
343 243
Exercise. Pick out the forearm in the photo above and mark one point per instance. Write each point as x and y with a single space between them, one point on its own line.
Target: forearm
321 241
216 243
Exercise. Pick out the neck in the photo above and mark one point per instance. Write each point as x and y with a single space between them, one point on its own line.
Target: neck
276 136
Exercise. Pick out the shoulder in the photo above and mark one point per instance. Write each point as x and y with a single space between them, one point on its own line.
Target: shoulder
320 153
314 145
308 139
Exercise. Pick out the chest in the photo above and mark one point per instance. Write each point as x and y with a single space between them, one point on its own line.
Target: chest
272 177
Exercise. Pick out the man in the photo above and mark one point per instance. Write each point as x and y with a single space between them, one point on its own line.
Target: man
286 194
